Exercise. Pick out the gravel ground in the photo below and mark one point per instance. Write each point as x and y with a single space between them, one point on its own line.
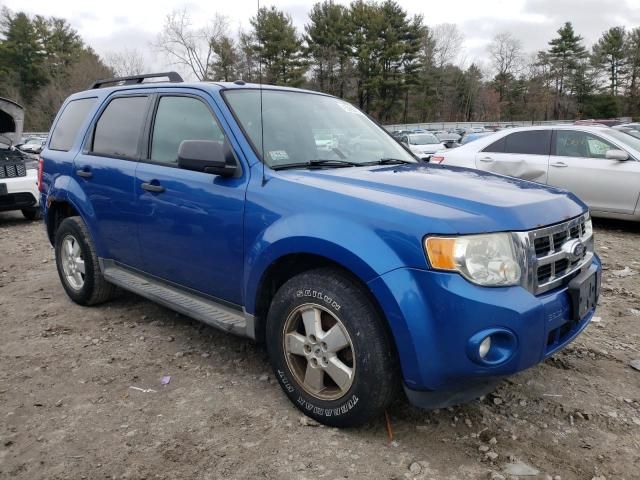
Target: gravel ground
81 394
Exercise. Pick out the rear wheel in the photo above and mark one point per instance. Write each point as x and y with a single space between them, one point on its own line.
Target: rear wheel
329 348
32 213
77 264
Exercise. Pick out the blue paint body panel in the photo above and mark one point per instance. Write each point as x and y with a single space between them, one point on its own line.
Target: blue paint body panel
218 236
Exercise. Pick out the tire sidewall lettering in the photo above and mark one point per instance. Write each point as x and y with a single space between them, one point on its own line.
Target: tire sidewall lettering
310 293
307 406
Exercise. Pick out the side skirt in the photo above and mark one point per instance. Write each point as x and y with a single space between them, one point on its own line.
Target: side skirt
183 301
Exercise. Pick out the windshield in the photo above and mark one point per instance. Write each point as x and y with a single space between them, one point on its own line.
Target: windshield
423 139
302 127
630 140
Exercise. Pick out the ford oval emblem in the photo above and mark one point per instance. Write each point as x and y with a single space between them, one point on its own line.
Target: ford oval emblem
574 249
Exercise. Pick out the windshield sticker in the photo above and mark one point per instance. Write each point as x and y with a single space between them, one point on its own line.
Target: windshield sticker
278 155
349 108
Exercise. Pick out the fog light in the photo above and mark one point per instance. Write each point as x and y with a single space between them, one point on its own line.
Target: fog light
485 346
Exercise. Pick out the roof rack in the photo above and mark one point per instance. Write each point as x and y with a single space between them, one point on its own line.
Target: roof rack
136 79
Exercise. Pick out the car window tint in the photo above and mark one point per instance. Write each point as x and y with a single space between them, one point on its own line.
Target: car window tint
580 144
533 142
66 130
118 130
495 147
178 119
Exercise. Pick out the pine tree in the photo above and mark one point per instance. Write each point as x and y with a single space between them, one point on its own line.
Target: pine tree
609 52
565 53
278 47
633 64
327 39
225 66
22 53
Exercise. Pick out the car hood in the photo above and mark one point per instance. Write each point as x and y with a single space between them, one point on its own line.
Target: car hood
449 199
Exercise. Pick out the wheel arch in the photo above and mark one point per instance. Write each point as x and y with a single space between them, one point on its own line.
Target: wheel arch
70 201
57 211
288 266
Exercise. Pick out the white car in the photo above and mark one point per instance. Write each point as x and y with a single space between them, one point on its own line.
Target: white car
19 183
423 145
33 145
600 165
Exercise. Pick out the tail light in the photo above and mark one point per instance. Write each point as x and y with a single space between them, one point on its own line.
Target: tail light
437 159
40 168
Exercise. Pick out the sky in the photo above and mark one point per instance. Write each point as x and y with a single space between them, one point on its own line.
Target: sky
116 25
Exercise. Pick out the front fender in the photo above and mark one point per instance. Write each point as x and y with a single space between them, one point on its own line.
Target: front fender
361 250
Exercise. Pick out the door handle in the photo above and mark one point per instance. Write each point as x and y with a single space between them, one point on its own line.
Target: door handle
84 173
150 187
559 164
486 159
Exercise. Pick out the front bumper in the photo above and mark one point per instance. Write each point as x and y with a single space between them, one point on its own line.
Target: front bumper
22 192
435 316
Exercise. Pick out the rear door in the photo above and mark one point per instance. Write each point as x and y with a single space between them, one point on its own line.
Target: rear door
578 164
105 170
520 154
191 230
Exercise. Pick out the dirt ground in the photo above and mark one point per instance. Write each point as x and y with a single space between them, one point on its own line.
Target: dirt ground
68 409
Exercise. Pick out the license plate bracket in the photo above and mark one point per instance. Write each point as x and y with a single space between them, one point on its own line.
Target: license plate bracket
583 291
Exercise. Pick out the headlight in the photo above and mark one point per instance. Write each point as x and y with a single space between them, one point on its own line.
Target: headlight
490 260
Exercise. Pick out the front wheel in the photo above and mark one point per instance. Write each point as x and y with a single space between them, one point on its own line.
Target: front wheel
329 349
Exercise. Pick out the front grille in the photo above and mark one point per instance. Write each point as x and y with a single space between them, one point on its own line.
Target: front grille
554 262
12 170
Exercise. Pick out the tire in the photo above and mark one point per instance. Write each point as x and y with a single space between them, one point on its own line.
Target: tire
90 287
33 213
311 316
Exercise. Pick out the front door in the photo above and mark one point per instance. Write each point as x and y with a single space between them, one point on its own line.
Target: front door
579 164
191 230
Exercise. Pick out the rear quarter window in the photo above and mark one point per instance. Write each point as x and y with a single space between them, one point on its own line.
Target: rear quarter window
495 147
71 119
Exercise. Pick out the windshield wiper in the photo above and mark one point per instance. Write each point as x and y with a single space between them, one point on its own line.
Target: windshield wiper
317 163
387 161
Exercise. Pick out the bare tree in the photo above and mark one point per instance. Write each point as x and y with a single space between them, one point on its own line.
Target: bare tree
448 43
192 47
506 57
126 62
506 53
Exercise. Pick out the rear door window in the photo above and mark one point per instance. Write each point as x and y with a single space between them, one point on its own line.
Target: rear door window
117 132
534 142
72 118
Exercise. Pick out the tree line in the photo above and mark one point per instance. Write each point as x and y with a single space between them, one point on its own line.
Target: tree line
372 53
42 61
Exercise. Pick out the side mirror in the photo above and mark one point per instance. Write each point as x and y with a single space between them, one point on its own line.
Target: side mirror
619 155
207 156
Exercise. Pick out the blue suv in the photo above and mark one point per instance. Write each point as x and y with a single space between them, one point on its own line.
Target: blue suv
291 218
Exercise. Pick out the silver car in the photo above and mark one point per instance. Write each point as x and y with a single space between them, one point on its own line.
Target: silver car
600 165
